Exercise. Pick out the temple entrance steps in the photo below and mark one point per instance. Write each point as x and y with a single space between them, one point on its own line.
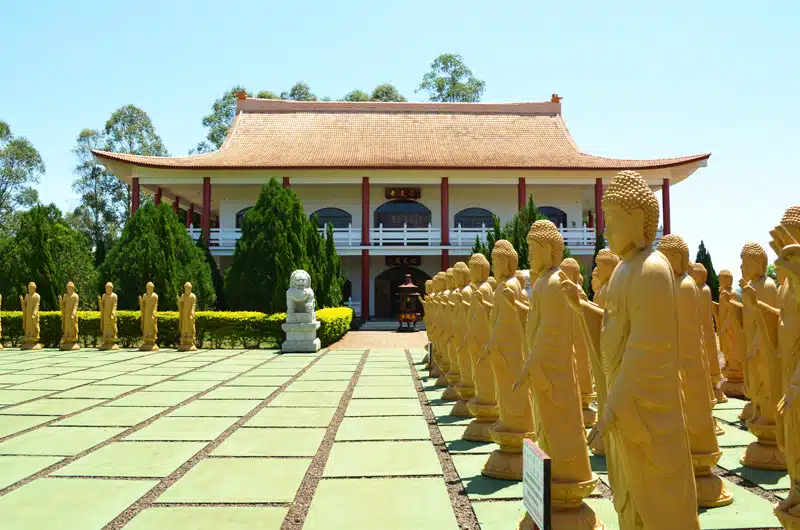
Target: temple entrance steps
385 325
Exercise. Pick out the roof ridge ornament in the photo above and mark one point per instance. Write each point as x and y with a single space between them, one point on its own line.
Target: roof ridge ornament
241 94
555 98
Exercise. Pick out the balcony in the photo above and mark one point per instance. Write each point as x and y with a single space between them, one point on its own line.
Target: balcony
400 241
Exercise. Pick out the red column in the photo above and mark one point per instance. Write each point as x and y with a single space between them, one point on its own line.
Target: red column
445 212
157 198
521 193
445 260
665 198
176 205
285 182
365 211
364 284
134 195
598 206
190 215
206 220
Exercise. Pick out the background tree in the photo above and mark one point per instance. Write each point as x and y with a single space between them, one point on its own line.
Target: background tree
386 93
21 166
332 280
98 215
217 280
515 231
771 272
219 120
154 246
129 130
299 92
450 80
356 95
599 244
712 280
266 94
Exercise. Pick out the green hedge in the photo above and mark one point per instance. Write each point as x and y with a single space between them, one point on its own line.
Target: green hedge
215 329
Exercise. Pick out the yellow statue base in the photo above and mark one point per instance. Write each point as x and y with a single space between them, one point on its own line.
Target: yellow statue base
734 387
479 430
109 346
711 490
719 395
465 393
31 346
569 512
589 414
764 453
506 463
598 447
187 347
441 380
747 412
69 346
788 512
719 431
435 371
148 346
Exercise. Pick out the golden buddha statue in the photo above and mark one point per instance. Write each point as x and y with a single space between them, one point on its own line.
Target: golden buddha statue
697 394
440 364
505 353
30 316
581 358
732 346
460 297
700 275
781 327
553 385
647 449
186 311
484 405
108 318
68 304
426 319
761 380
148 307
606 262
453 375
493 283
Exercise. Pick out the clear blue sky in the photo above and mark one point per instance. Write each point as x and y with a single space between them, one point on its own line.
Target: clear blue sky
638 81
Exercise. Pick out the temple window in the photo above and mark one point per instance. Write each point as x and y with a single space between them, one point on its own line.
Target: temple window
474 218
333 216
556 215
240 216
394 214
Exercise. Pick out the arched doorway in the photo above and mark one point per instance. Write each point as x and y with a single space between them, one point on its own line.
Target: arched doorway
557 215
394 214
386 293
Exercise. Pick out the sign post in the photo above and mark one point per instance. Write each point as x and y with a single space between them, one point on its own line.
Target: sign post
536 484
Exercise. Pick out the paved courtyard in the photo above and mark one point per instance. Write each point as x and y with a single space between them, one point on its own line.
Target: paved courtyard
350 438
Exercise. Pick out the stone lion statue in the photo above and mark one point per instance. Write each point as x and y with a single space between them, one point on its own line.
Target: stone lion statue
300 298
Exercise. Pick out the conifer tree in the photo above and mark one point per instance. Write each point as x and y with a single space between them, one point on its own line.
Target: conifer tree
712 280
332 279
599 244
216 276
515 231
40 261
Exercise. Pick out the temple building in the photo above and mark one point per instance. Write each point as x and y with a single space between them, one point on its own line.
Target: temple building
407 186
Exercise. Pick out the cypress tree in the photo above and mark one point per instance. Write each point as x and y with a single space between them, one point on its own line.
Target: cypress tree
333 281
599 244
154 246
712 279
216 276
42 269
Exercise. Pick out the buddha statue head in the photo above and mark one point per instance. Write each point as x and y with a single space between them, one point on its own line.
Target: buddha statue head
545 246
478 268
677 252
449 280
109 287
699 274
438 282
492 282
31 288
429 287
725 280
606 263
572 269
461 273
631 214
70 288
791 221
149 288
187 287
754 262
504 259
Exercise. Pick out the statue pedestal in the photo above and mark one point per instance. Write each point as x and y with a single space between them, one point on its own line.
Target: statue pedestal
788 512
506 462
148 346
108 346
486 415
734 385
465 392
69 346
764 453
711 491
31 346
301 337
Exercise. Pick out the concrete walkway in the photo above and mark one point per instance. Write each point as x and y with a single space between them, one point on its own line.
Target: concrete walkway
354 437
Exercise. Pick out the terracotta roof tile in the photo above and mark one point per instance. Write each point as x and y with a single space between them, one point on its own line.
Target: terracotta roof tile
288 134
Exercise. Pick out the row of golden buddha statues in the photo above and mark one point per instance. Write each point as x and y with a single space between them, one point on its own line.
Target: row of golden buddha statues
528 366
107 304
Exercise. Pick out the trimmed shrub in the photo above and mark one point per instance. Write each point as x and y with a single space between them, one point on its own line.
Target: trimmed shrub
215 329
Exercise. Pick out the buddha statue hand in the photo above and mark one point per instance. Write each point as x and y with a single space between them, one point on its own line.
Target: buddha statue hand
788 400
749 297
571 291
602 426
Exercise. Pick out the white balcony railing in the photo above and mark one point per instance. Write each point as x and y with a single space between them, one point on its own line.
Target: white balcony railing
574 238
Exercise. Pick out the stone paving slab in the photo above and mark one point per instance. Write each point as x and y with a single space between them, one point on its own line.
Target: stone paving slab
12 397
271 442
240 392
95 391
58 441
386 380
209 518
481 487
452 439
132 459
318 386
15 468
51 407
365 391
307 399
377 459
292 417
52 384
216 407
390 428
325 376
383 407
69 504
111 416
14 424
182 429
769 480
239 480
348 504
182 386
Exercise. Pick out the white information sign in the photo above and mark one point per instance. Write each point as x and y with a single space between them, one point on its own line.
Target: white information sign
536 484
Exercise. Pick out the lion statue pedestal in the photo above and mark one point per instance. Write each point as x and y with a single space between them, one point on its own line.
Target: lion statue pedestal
301 321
